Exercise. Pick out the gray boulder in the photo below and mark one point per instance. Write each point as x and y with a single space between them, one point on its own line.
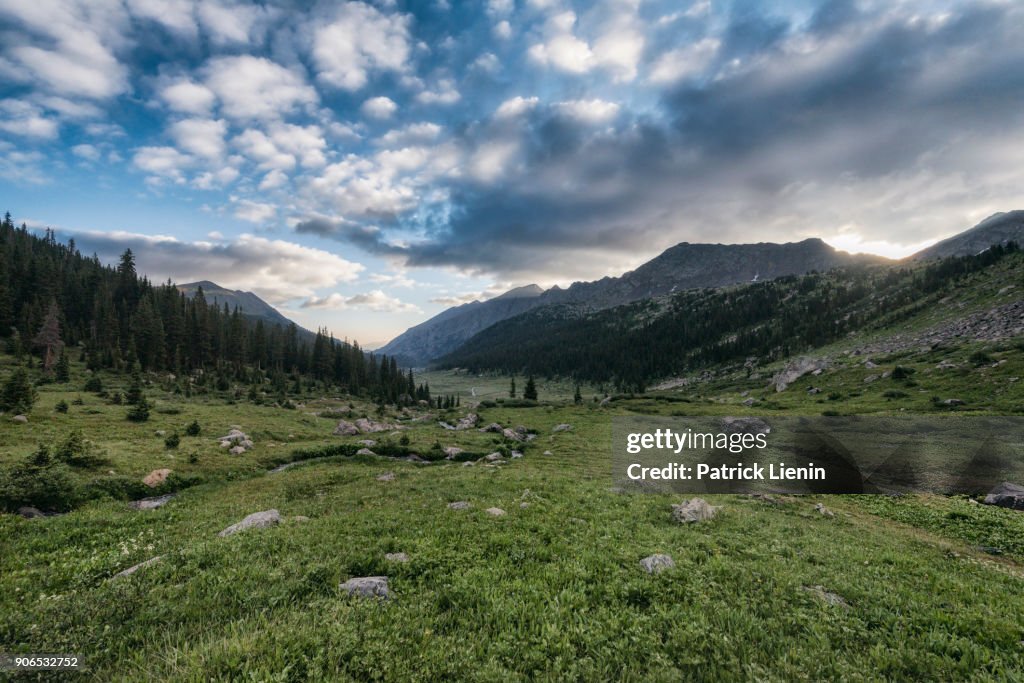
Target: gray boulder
396 557
1006 495
140 565
495 512
367 587
562 428
387 476
467 422
656 563
151 503
694 510
257 520
29 512
365 451
345 428
796 369
20 419
459 505
823 511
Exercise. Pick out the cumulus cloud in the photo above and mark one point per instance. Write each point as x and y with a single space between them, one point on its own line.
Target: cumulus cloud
256 88
375 300
379 107
26 120
275 270
358 40
202 137
188 97
254 212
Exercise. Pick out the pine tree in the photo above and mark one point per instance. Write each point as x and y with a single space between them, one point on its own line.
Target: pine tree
512 388
18 395
48 337
134 396
577 397
530 391
63 369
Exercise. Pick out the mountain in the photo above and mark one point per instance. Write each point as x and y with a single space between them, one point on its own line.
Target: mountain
998 228
682 267
249 304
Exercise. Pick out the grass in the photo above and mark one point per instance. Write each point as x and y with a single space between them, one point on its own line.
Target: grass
550 591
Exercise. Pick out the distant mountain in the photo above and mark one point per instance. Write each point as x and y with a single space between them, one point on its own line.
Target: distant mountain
998 228
684 266
249 304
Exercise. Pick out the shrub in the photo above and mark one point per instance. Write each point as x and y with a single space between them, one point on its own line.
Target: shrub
172 441
93 384
77 451
61 407
895 394
980 358
139 412
193 429
38 481
18 395
900 372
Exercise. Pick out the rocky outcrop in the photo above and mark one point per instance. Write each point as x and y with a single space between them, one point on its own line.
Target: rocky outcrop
156 477
657 563
1006 495
367 587
694 510
151 503
796 369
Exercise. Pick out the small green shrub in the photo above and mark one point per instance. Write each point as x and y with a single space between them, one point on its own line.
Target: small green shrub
172 441
38 481
193 429
61 407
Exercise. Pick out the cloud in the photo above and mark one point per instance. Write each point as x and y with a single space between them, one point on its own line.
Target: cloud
445 93
589 111
188 97
359 39
202 137
515 106
165 162
26 120
255 88
684 62
275 270
254 212
412 134
379 107
375 300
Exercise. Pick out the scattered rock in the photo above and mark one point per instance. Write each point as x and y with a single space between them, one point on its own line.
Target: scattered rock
795 370
396 557
1006 495
451 451
257 520
745 425
828 597
300 518
161 432
20 419
365 451
524 505
493 427
744 394
495 512
367 426
870 378
824 511
657 563
237 440
813 390
237 450
515 454
140 565
459 505
562 428
946 365
512 435
369 443
492 457
151 503
605 401
548 453
156 477
467 422
345 428
869 365
387 476
694 510
953 402
29 512
749 402
367 587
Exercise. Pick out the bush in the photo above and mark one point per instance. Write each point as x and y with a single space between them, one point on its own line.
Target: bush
61 407
980 358
139 412
38 481
193 429
77 451
93 384
172 441
18 395
900 372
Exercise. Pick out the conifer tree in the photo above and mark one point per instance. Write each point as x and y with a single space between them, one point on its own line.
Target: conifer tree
512 388
530 390
18 395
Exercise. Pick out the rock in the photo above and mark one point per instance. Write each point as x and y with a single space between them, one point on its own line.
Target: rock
548 453
156 477
654 564
366 426
796 369
828 597
467 422
515 454
869 365
387 476
151 503
365 451
870 378
444 425
161 432
257 520
345 428
816 372
694 510
367 587
237 450
745 425
512 435
451 451
749 402
953 402
524 505
225 444
493 427
246 443
29 512
492 457
20 419
824 511
468 463
369 443
396 557
140 565
459 505
945 365
1006 495
605 401
562 428
744 394
300 518
813 390
495 512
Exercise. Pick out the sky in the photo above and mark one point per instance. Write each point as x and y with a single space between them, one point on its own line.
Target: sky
364 165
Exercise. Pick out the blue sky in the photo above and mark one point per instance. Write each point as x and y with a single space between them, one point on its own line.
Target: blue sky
364 165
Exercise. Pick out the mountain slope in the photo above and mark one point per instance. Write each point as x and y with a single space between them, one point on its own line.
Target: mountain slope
998 228
248 303
684 266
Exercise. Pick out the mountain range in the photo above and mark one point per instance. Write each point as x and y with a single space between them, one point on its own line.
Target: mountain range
250 305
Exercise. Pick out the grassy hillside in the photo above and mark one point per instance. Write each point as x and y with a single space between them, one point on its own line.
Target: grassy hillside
915 588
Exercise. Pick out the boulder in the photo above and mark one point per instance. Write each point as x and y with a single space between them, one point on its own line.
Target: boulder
257 520
467 422
345 428
953 402
548 453
492 457
20 419
794 370
387 476
515 454
237 450
493 427
367 426
828 597
156 477
512 435
365 451
823 511
140 565
605 401
366 587
745 425
459 505
495 512
29 512
562 428
451 451
369 443
653 564
749 402
396 557
870 378
151 503
1006 495
694 510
